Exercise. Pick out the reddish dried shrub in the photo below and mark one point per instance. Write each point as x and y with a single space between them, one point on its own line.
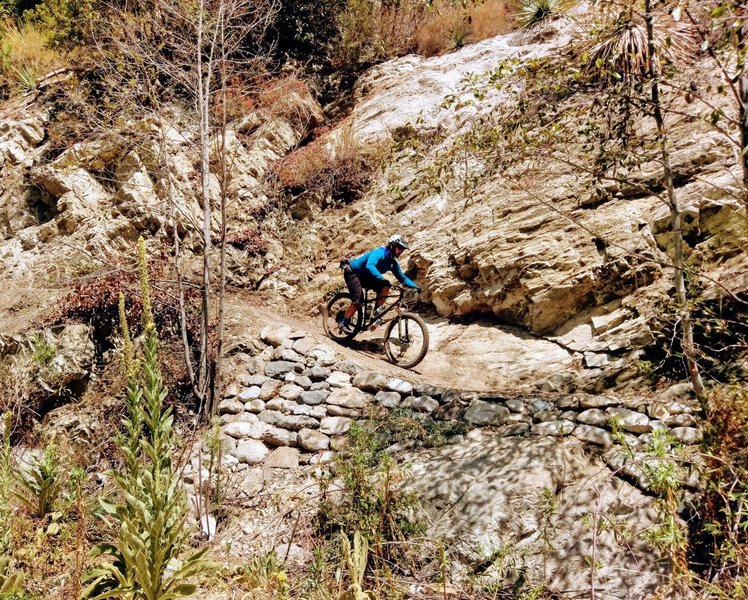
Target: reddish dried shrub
95 300
339 172
249 240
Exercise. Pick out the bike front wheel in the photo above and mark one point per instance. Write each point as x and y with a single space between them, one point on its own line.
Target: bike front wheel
332 315
406 340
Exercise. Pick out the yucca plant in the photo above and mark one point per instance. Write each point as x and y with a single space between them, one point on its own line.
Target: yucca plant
620 49
39 486
531 13
150 516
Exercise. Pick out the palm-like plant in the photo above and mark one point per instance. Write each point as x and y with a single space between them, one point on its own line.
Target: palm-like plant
531 13
619 51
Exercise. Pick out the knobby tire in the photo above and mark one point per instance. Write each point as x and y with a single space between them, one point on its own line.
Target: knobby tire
413 321
330 324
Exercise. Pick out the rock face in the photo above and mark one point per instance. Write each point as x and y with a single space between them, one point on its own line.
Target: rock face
584 274
493 495
73 211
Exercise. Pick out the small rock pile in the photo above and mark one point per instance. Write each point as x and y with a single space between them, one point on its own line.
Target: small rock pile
296 401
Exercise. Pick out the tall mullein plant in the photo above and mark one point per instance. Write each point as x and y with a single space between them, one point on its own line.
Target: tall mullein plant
150 516
10 581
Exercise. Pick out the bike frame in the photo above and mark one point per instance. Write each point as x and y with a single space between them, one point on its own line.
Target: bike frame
396 305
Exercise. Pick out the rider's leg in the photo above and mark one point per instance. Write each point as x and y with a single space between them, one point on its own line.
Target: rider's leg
357 293
382 295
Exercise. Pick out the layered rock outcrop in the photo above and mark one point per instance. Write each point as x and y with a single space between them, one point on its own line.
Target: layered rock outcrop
587 269
92 201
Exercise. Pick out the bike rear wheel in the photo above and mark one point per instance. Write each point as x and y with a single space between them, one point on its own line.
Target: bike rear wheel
406 340
333 313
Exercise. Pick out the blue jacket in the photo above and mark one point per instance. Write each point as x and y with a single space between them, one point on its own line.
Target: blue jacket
378 261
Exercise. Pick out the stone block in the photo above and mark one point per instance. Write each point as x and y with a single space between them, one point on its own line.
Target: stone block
314 441
485 413
251 452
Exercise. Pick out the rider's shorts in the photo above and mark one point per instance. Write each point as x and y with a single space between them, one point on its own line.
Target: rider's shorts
356 284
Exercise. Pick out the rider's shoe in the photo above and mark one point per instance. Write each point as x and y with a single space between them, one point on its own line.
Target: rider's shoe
347 328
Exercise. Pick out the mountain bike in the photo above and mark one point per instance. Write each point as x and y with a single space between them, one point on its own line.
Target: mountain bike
406 337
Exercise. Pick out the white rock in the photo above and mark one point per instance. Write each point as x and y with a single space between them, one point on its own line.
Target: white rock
335 425
251 452
312 440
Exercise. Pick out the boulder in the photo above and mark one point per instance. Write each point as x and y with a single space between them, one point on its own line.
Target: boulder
371 382
424 404
485 413
387 399
593 435
318 373
601 401
270 389
339 379
283 458
425 389
230 407
314 397
275 436
290 422
243 430
303 345
254 406
400 386
553 428
335 425
251 452
279 368
630 420
594 417
351 398
252 393
275 335
314 441
687 435
346 366
290 391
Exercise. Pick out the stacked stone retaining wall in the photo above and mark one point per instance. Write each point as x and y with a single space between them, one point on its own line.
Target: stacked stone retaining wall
296 401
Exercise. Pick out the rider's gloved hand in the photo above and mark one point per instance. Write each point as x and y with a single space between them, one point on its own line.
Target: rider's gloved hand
418 290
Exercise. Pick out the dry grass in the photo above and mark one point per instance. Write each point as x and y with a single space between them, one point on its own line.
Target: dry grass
24 56
451 26
339 171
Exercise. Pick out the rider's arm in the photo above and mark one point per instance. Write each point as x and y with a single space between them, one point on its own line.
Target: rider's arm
401 277
371 263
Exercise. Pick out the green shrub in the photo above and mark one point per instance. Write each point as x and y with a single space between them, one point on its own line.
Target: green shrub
64 22
43 351
370 501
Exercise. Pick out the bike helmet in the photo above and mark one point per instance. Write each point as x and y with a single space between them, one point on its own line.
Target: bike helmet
397 240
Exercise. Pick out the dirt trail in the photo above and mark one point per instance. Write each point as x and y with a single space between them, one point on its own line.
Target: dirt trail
477 357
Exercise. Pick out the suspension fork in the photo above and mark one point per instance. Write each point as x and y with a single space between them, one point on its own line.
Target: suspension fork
402 325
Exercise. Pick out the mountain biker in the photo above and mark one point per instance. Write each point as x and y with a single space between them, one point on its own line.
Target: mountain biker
365 272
